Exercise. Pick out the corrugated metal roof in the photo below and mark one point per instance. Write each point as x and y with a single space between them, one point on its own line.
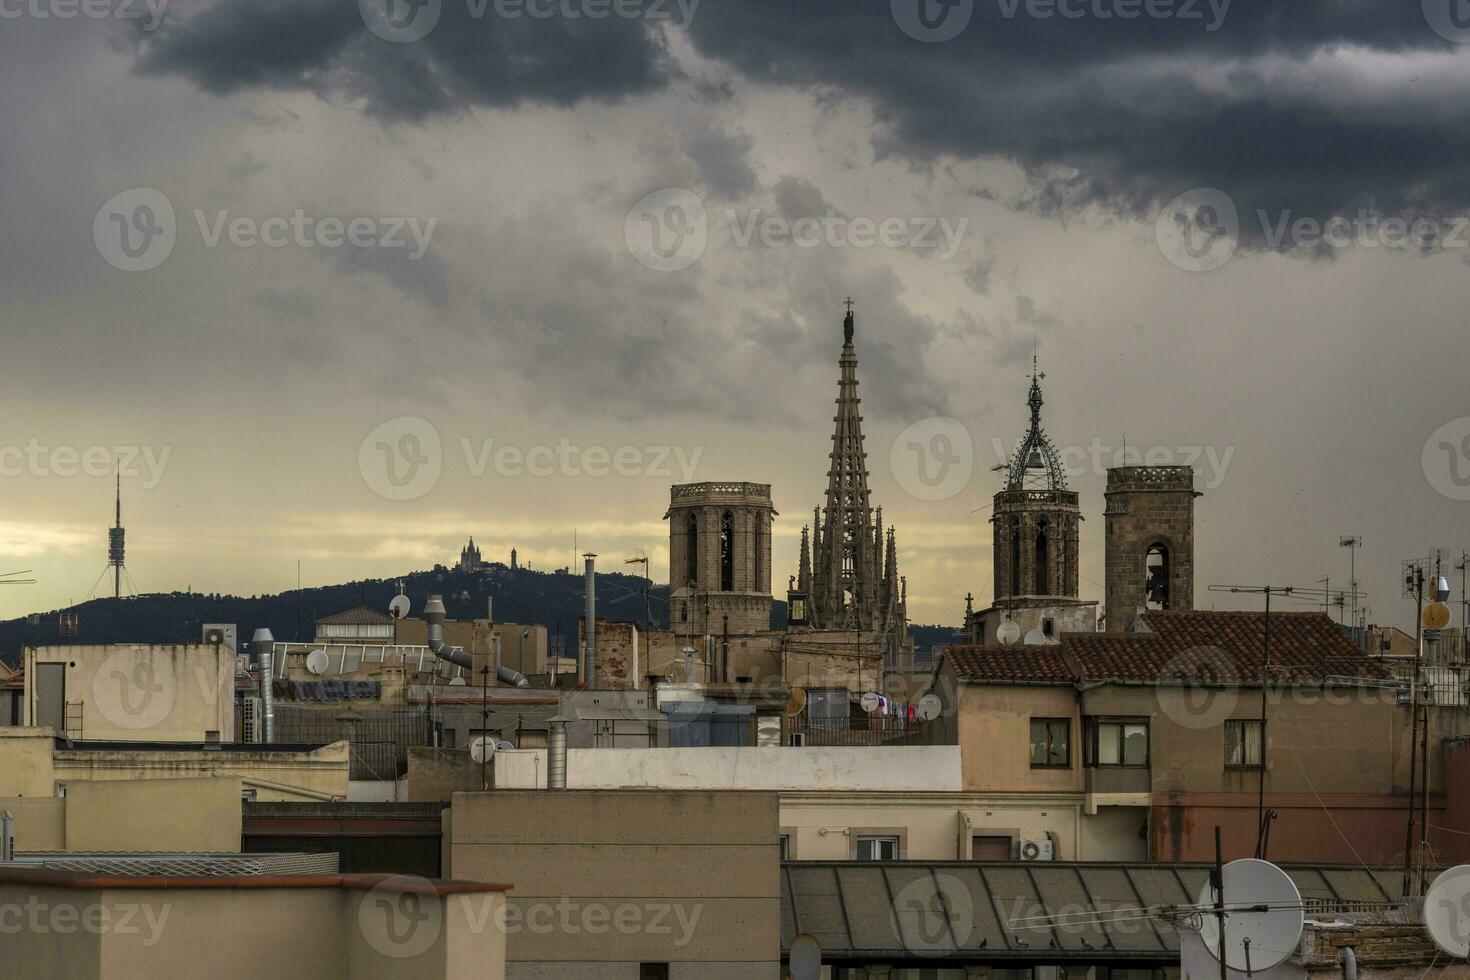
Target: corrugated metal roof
919 911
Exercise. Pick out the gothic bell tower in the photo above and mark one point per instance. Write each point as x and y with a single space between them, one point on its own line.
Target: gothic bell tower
1035 530
720 558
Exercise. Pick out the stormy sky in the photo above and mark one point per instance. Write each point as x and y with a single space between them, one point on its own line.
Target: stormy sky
348 282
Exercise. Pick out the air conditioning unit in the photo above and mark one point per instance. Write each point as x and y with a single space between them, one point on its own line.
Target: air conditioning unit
220 633
1036 850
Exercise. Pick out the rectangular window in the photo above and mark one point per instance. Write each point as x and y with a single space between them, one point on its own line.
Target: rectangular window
1113 742
785 847
877 848
1243 744
1050 743
653 971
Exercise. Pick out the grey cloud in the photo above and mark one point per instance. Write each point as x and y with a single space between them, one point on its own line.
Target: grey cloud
797 197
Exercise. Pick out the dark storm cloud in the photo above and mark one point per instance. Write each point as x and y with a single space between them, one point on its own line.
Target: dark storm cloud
325 46
1126 114
1279 104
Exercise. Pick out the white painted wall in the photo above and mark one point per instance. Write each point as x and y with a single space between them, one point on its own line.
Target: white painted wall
907 768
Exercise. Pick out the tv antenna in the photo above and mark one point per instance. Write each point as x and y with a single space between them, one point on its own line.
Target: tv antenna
7 579
116 550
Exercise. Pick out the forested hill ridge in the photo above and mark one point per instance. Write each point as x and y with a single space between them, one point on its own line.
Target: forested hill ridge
519 595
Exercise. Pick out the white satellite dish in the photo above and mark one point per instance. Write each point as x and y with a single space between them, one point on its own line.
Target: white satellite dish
457 682
1447 911
316 662
871 702
398 608
503 746
805 958
1034 638
1008 633
482 748
1263 916
929 707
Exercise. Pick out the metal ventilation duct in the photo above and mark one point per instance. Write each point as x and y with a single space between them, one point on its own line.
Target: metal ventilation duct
434 616
262 642
589 616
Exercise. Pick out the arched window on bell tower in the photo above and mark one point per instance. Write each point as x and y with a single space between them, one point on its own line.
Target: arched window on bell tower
1156 582
691 551
1043 563
727 552
1015 548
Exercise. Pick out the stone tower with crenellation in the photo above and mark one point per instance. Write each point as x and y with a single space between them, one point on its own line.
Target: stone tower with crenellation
720 558
1149 551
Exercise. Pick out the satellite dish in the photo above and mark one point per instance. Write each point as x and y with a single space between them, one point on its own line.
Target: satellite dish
1436 616
457 682
1447 911
398 608
1263 917
1008 633
871 702
805 958
795 702
482 748
929 707
1034 638
503 746
316 662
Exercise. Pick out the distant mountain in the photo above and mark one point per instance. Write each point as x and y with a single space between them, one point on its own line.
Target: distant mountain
520 596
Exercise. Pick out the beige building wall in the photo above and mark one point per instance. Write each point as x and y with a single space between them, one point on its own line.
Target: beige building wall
154 815
339 928
138 692
609 880
943 826
994 723
31 766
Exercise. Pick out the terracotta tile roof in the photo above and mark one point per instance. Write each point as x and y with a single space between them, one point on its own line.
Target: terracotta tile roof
1221 647
1041 664
1304 645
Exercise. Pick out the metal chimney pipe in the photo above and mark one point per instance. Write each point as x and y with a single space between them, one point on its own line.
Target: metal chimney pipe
434 616
262 642
556 754
589 615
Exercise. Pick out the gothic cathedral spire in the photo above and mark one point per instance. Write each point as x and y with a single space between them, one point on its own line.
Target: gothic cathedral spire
853 583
